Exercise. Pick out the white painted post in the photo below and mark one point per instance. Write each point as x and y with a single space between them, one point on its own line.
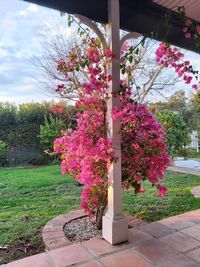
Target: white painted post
115 226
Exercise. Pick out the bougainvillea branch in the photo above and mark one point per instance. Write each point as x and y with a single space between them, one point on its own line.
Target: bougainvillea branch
87 152
172 57
190 29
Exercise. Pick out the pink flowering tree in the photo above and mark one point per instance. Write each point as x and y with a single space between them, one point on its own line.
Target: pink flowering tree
87 152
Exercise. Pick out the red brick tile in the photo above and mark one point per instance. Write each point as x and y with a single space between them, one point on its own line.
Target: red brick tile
75 214
60 218
180 242
192 213
56 223
195 254
178 261
154 250
52 228
52 235
193 231
39 260
193 216
135 223
99 246
136 236
177 222
156 229
57 243
130 218
91 264
67 256
126 258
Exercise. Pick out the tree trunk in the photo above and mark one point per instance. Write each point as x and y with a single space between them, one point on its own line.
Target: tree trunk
99 216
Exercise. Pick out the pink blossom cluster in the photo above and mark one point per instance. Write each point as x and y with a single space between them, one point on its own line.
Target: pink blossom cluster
189 29
87 152
58 108
168 56
144 154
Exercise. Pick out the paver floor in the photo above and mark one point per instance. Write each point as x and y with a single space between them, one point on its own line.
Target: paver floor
172 242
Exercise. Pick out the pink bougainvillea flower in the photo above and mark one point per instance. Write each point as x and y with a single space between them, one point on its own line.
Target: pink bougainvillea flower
171 57
188 22
162 190
59 87
58 108
109 53
194 86
185 29
141 190
187 35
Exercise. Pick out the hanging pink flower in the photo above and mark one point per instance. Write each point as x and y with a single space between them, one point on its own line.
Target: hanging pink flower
188 22
187 35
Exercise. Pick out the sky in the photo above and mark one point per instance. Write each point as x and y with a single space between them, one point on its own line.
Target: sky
22 27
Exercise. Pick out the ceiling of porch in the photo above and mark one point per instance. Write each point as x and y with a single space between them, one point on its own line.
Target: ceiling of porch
136 15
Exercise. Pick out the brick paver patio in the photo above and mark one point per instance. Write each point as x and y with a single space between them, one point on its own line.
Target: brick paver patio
172 242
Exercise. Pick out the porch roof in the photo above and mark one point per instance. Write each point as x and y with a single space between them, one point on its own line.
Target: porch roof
135 15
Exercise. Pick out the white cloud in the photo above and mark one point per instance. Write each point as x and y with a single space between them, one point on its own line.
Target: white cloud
31 8
26 91
4 52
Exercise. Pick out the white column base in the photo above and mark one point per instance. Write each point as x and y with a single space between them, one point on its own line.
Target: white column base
115 231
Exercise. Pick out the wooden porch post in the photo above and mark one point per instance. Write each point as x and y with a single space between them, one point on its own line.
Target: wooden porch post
115 226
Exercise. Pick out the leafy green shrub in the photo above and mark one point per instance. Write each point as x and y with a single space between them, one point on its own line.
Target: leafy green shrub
50 131
3 153
20 130
183 152
26 155
177 132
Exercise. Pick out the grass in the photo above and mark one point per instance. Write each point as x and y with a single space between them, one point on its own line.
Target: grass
188 153
194 154
31 197
179 199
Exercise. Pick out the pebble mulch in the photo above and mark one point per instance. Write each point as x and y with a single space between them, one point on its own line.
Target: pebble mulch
80 230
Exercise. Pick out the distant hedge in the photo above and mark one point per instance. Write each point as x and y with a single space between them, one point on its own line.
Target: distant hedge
20 129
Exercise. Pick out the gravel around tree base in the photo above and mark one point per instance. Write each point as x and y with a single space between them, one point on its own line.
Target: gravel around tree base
81 229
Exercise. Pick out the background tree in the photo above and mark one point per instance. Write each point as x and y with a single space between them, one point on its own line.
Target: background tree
194 108
177 132
187 107
8 119
20 129
147 78
3 153
177 102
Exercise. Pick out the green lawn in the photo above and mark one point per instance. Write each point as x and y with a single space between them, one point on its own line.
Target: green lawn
31 197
